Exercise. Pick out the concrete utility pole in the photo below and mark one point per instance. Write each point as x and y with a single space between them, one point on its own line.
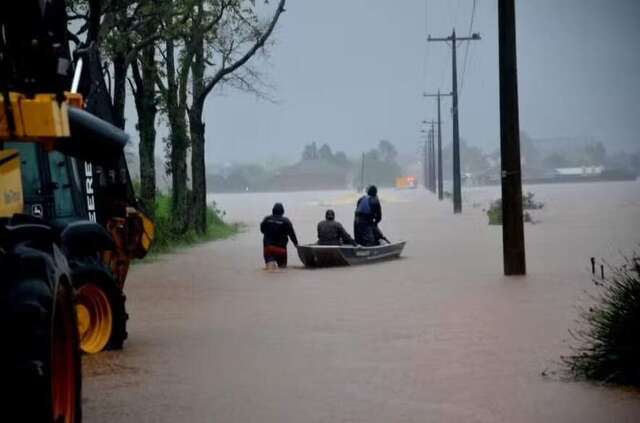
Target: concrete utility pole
440 183
512 221
457 190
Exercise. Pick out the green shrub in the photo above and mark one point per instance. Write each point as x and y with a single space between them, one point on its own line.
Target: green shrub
168 238
495 213
608 339
528 203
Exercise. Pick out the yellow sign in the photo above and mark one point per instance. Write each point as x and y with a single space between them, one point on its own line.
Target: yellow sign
11 200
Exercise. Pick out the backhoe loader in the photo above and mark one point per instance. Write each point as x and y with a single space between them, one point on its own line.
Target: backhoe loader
69 221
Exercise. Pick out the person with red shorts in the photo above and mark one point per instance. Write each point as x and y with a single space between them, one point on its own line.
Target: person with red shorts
277 230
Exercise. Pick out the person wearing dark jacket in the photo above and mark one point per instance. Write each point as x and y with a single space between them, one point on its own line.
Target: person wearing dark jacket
368 215
331 232
277 231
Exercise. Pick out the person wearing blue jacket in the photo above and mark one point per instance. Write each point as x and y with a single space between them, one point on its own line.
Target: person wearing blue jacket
368 215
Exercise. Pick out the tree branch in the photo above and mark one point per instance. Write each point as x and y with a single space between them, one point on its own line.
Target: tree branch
135 71
132 86
133 52
225 70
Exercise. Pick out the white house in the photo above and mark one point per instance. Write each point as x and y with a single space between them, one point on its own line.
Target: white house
580 171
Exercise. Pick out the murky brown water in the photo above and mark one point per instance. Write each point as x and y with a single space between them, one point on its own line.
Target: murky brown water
438 336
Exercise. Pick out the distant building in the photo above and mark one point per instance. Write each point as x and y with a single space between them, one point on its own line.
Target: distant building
583 170
309 175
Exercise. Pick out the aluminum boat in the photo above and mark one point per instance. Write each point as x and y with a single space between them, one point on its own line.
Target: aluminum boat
314 255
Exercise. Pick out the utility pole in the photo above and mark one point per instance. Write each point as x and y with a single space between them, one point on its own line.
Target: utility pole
425 158
457 190
512 221
432 159
430 171
427 171
438 95
362 186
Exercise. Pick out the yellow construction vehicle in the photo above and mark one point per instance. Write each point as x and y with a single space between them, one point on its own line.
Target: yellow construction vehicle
69 221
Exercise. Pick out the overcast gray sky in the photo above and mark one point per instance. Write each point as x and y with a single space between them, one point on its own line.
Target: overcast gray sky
352 72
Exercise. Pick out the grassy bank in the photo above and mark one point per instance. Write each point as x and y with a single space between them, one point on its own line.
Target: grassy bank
167 239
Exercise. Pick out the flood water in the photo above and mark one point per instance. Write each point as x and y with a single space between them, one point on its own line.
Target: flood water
437 336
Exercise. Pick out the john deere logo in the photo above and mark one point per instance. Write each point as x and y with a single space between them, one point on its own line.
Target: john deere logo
36 210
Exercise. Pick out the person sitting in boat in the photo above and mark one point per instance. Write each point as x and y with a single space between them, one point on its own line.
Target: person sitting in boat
331 232
368 215
277 231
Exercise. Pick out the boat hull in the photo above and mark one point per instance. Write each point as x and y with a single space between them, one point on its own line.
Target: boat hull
314 255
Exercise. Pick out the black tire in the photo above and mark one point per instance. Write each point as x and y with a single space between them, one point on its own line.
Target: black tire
42 378
64 316
121 317
99 277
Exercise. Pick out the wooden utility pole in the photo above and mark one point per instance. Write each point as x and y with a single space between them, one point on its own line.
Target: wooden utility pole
512 219
457 189
429 157
425 158
432 159
438 95
427 171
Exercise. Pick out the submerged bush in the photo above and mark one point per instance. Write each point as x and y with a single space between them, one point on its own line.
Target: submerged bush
528 203
608 339
495 213
167 237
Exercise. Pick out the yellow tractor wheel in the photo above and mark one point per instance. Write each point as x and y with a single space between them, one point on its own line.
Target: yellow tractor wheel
95 317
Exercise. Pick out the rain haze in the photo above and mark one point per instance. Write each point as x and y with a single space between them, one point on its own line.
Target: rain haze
349 73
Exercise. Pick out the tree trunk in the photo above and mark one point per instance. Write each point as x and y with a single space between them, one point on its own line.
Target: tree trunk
197 128
198 171
179 199
145 100
93 27
119 89
178 137
200 90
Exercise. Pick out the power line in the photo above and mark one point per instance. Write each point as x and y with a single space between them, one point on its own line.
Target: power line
457 192
466 50
425 62
440 173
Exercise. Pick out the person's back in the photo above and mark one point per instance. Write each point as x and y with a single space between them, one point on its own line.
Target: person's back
277 230
331 232
368 214
368 208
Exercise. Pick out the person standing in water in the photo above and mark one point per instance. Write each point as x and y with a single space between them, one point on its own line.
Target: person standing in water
277 231
368 215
